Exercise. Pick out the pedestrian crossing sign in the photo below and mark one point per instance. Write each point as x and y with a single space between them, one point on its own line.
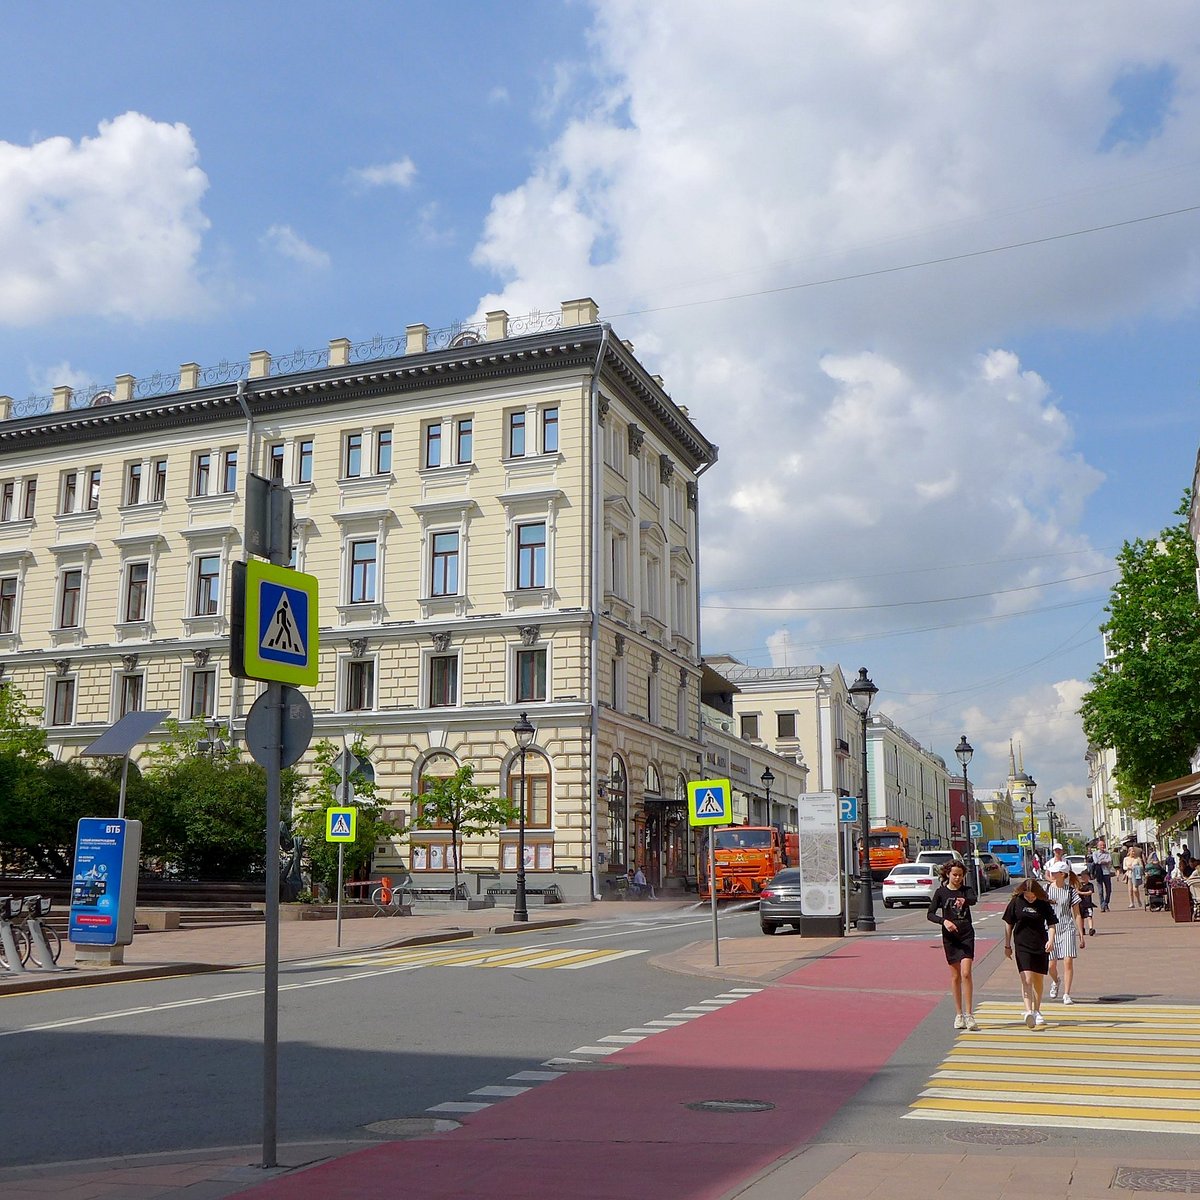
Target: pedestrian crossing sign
341 824
279 635
710 802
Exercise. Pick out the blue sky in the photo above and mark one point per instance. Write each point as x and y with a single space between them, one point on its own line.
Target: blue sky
929 454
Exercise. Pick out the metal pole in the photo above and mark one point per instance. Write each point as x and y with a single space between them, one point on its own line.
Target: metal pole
972 862
521 908
847 850
341 864
866 905
271 964
1032 837
124 780
712 892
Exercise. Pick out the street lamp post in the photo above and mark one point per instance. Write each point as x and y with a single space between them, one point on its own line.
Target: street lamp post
768 778
862 692
1030 786
964 750
524 732
928 822
1050 817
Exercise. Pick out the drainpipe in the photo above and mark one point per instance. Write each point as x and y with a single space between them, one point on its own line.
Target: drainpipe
235 692
597 597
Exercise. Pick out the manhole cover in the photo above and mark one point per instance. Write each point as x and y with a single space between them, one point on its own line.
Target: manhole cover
411 1127
997 1135
731 1106
1117 999
1158 1179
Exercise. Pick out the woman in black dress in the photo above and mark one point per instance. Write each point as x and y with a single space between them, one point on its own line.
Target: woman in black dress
950 907
1029 923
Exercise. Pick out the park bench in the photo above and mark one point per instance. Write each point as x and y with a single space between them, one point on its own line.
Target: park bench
550 894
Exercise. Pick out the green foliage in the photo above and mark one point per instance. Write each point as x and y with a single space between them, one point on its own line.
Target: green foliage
463 806
372 825
21 732
1145 700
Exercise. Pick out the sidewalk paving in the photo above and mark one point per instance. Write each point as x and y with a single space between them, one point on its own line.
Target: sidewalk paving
1137 955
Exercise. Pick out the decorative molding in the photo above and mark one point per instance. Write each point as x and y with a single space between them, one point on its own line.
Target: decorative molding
637 439
200 657
666 468
655 661
693 496
620 645
441 641
358 647
683 677
529 634
602 407
61 666
129 662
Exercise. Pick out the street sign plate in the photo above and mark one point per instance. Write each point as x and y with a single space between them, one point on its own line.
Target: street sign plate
341 824
1024 840
295 730
976 829
279 638
848 809
710 802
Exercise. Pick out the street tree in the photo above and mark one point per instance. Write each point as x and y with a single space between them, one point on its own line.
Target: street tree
326 792
456 802
1145 698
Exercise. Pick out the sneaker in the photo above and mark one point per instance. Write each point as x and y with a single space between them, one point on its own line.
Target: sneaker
1039 1022
1067 999
972 1024
1030 1020
959 1022
1053 989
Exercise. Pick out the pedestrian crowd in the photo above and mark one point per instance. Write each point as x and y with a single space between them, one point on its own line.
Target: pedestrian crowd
1047 921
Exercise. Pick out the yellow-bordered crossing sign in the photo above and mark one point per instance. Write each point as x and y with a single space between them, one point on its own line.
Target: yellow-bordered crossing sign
710 802
279 624
341 824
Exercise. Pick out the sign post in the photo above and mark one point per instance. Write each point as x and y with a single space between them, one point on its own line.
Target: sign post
710 802
273 638
341 826
847 821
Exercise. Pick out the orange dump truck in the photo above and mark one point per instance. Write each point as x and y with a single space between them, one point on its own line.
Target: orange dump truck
747 858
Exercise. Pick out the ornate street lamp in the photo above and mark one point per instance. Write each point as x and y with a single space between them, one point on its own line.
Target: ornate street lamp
862 692
1050 816
1030 786
928 822
524 732
768 778
964 750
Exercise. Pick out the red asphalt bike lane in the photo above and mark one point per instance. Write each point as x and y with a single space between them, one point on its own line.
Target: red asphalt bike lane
805 1044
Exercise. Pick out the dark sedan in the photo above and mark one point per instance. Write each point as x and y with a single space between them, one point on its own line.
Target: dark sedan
779 901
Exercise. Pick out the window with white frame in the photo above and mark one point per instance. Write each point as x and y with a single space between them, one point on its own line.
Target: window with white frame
618 564
202 693
133 483
70 598
443 564
275 460
8 499
68 492
130 692
8 604
531 554
785 724
137 591
464 440
62 701
648 474
30 499
364 561
383 452
304 460
91 499
616 683
201 473
433 445
618 814
229 471
352 452
749 726
550 430
206 585
615 438
158 480
678 503
515 438
681 608
536 798
651 585
359 675
530 673
443 680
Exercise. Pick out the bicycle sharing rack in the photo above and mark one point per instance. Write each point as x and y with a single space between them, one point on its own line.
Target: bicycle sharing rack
8 938
21 920
44 959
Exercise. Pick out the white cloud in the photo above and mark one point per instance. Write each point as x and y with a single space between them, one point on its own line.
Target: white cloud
283 239
400 173
45 379
111 224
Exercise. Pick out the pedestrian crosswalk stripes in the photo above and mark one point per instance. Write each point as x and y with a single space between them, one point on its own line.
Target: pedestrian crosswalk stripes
1086 1069
563 958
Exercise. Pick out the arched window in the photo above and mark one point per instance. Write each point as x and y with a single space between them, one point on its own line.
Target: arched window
653 781
618 814
438 765
537 789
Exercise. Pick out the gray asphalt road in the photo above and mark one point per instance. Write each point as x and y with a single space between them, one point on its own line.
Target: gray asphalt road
176 1063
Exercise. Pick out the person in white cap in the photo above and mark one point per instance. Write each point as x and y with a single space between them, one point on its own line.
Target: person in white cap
1068 932
1059 857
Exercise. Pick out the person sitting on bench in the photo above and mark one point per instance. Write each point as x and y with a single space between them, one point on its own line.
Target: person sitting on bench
638 885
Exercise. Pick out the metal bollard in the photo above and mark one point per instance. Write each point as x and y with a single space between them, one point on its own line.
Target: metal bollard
11 954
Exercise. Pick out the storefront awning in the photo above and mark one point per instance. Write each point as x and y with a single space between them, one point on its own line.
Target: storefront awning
1185 816
1186 785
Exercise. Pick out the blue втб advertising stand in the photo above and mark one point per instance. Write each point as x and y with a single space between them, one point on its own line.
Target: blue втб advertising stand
104 883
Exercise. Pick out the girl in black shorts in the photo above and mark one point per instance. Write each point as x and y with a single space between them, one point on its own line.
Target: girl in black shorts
1029 920
950 907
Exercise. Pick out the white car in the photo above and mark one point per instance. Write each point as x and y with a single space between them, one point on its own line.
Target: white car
909 883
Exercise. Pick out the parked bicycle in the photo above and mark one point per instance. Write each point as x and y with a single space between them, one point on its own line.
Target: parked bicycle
17 913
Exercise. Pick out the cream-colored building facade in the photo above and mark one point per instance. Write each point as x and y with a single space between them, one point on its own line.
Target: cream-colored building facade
501 518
